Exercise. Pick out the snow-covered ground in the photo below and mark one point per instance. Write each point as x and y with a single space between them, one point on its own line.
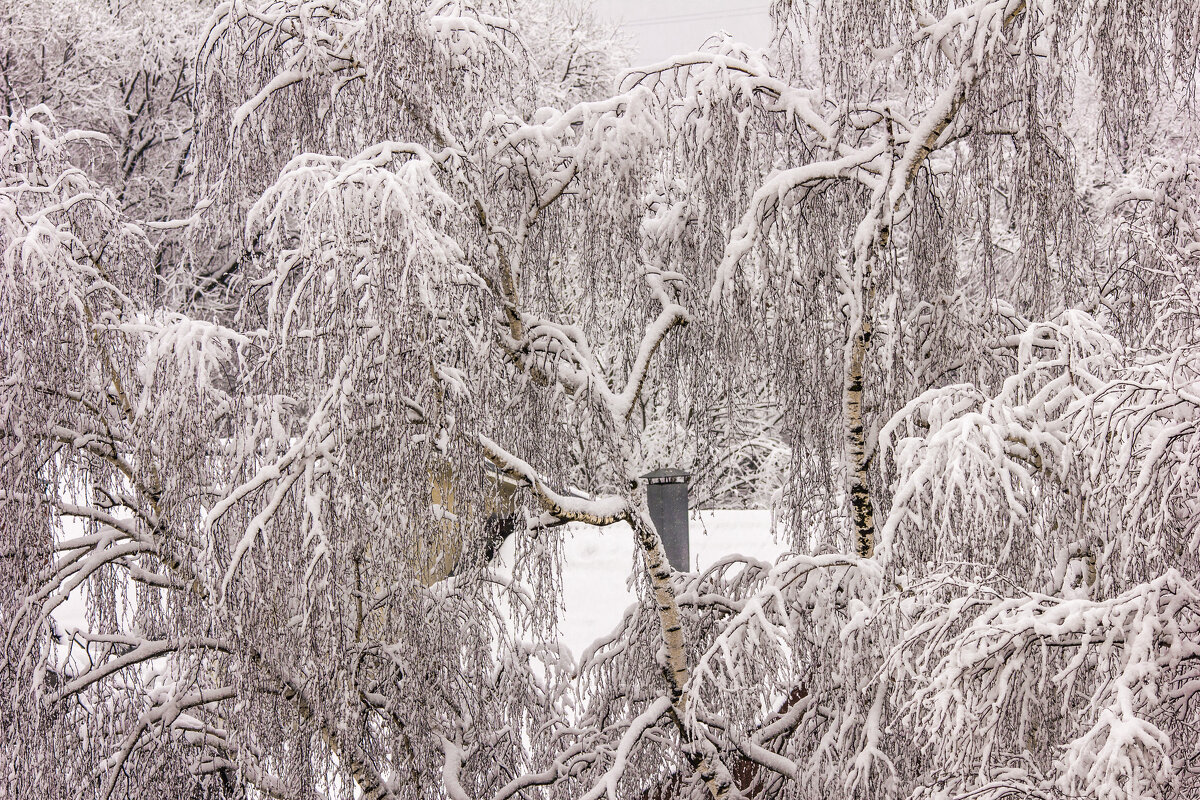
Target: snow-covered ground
599 561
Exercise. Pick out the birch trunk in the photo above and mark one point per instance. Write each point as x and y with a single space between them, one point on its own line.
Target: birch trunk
897 184
861 507
699 751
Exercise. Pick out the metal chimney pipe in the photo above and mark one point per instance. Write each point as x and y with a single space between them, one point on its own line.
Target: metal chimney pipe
667 496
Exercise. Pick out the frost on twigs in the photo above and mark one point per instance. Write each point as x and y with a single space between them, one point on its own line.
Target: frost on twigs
299 402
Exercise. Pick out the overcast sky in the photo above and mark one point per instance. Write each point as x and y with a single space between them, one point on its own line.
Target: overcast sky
665 27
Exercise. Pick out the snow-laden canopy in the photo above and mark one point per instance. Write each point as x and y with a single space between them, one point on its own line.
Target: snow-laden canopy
289 295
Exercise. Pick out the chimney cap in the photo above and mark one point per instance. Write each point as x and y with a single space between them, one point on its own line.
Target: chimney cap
667 475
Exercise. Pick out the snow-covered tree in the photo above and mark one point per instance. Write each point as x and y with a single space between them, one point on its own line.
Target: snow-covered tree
940 258
124 70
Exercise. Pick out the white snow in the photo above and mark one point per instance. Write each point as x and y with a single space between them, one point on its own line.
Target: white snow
598 562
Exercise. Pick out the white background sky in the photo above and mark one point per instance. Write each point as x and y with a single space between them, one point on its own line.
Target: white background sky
660 28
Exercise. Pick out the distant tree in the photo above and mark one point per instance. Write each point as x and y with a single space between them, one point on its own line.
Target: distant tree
941 259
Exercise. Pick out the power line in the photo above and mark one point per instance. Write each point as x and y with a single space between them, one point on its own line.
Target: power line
696 16
700 15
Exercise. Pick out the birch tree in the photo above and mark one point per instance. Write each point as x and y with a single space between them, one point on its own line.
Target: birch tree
944 259
124 70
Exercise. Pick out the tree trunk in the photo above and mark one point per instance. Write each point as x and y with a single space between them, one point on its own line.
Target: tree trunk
699 751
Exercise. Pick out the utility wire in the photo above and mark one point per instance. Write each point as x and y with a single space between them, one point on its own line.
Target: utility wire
696 16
